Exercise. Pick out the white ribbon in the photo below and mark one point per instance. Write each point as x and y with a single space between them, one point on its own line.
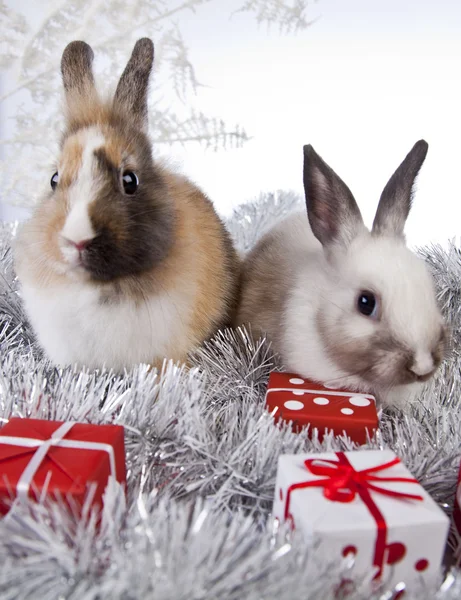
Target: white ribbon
321 392
43 447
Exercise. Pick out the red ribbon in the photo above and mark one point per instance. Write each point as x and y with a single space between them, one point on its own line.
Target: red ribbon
342 483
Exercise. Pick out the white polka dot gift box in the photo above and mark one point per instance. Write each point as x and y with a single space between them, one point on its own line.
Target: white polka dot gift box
303 402
367 504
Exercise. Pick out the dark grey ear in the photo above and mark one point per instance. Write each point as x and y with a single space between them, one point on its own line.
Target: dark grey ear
76 69
395 202
333 213
131 93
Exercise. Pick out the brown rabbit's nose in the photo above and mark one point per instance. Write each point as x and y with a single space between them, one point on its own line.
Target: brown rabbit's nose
80 246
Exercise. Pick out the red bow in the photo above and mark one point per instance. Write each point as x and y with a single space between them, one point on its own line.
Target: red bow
342 483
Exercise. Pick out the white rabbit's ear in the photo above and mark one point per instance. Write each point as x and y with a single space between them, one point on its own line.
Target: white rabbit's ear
131 94
77 76
333 213
395 202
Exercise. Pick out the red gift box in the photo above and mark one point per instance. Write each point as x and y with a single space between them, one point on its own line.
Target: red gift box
293 398
62 459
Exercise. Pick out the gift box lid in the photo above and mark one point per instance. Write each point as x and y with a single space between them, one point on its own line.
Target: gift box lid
334 516
282 381
307 403
71 468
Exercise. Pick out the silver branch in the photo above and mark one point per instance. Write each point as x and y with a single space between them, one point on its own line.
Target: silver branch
111 27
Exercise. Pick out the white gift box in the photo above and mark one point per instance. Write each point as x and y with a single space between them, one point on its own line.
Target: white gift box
363 503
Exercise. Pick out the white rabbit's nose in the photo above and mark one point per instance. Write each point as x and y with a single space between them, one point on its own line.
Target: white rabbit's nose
423 364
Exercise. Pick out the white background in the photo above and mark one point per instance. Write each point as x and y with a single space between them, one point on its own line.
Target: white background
362 84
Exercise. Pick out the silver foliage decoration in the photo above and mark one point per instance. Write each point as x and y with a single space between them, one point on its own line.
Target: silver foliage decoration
111 27
201 458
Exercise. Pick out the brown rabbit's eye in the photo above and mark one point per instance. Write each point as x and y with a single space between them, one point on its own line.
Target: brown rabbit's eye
130 182
367 304
54 181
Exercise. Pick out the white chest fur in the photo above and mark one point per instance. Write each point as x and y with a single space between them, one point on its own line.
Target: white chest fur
73 326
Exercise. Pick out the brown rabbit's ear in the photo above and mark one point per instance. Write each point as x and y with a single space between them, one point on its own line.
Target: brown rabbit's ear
333 213
131 94
395 202
77 76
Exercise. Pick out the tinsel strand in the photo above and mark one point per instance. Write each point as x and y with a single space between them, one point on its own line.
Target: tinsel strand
202 455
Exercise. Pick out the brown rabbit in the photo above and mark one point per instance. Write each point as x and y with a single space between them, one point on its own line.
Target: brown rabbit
123 261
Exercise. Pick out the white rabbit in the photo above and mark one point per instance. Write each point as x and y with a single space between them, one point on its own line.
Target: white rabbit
342 305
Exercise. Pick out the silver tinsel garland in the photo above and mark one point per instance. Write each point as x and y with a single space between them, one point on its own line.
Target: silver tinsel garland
202 457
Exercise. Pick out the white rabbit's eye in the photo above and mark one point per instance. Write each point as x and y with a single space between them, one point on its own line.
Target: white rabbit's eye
367 304
54 181
130 182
